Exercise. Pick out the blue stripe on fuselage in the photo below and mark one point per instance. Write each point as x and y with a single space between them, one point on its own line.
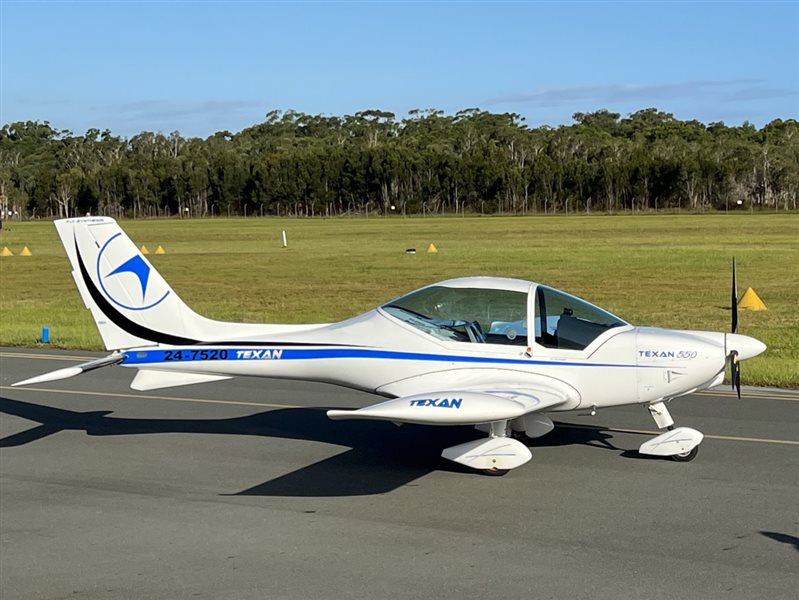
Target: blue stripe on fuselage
189 354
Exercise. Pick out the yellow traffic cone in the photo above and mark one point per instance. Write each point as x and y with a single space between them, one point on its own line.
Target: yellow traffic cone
6 251
432 248
751 301
25 252
144 249
160 250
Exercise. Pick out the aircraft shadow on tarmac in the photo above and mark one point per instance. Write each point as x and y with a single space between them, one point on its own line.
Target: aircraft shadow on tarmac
382 457
784 538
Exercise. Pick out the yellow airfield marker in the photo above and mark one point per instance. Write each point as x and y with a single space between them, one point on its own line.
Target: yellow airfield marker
160 250
6 251
25 252
751 301
431 249
144 249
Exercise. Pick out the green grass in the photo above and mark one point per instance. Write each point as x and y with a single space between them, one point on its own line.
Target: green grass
664 270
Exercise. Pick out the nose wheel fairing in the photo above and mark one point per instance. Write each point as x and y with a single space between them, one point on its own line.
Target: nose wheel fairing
681 443
678 443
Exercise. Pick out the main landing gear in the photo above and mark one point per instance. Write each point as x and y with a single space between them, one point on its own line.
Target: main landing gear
680 444
502 451
493 456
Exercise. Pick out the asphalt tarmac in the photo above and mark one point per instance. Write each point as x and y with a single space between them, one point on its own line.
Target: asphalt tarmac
244 489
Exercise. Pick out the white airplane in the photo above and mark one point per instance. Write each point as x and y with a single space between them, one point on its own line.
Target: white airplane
492 352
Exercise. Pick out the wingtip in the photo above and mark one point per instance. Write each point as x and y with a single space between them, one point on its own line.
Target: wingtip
52 376
338 415
25 382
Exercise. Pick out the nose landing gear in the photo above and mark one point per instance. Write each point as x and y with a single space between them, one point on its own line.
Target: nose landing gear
680 444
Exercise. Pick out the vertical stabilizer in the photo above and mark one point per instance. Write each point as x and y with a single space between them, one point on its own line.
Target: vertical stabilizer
131 303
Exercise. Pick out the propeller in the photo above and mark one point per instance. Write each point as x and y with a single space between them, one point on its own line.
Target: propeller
735 365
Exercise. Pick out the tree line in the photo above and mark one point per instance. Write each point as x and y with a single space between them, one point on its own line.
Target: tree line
428 162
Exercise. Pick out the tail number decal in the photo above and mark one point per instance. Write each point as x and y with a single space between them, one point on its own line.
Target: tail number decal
211 354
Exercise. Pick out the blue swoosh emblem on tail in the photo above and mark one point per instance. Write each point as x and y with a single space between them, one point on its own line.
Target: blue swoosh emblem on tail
137 266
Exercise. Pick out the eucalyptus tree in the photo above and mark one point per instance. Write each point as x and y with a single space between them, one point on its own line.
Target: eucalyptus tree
426 162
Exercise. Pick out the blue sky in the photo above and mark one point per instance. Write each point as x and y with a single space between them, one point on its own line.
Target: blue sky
202 67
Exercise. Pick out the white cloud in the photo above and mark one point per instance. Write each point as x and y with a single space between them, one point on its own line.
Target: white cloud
737 90
148 111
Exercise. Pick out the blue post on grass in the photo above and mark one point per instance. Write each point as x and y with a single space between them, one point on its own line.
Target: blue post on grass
45 334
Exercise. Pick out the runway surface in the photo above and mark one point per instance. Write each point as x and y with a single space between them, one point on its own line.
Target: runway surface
244 489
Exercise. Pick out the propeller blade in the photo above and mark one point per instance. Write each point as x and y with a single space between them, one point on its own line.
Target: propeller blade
737 379
734 300
735 372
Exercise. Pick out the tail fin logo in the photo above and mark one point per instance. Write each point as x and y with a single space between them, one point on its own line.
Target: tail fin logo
135 266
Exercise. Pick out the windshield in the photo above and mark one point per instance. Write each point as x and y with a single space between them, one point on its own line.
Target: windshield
565 321
476 315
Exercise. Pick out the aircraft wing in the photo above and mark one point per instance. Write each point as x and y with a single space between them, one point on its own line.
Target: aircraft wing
458 407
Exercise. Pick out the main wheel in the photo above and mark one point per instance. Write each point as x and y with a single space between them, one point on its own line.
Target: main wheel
519 435
495 472
686 456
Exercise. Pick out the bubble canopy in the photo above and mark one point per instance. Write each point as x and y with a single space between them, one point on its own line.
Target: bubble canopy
495 310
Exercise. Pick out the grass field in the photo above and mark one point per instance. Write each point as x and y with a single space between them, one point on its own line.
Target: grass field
663 270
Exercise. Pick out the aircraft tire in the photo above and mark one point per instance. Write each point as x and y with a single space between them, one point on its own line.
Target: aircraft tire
495 472
686 456
520 436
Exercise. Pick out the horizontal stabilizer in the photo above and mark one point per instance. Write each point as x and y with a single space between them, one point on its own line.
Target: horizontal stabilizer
676 441
150 379
440 408
68 372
